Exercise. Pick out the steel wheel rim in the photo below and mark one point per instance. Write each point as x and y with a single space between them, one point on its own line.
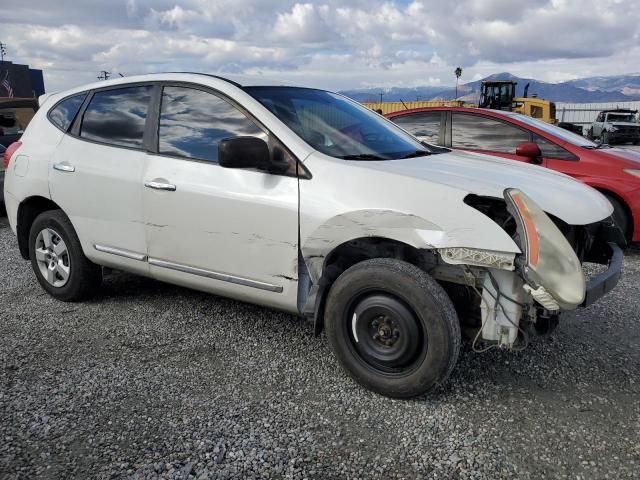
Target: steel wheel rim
52 258
386 334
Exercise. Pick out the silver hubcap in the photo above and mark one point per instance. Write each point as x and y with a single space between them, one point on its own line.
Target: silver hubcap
52 257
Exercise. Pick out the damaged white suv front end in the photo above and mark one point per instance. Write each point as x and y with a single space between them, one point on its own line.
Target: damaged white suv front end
522 293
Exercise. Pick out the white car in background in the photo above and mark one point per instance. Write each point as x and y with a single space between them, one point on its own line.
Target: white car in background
305 201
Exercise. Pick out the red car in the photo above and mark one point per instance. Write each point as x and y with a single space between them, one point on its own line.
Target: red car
613 171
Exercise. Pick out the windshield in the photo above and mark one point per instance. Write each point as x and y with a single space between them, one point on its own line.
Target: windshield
337 126
557 132
621 117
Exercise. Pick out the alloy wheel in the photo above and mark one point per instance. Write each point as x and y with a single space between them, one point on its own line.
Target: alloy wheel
52 257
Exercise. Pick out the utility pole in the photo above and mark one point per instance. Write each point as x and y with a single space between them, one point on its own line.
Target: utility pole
104 75
3 51
381 94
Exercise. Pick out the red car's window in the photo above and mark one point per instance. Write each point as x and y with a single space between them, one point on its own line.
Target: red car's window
424 125
476 132
551 150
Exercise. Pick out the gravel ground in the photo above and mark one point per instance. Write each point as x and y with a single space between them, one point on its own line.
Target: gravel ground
150 380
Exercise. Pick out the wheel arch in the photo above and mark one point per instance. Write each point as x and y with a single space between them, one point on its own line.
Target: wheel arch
629 213
349 253
28 210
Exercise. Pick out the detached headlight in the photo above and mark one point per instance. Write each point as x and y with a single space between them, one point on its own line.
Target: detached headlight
550 262
635 173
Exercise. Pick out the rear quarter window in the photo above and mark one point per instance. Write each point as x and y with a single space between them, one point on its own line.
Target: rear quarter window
63 113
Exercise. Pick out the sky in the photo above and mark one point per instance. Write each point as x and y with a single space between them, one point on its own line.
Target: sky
334 44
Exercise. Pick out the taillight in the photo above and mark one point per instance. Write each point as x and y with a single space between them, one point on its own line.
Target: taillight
11 149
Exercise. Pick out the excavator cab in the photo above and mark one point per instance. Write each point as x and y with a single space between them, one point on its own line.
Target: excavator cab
497 95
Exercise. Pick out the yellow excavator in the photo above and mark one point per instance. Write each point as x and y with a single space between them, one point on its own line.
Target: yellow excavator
501 95
495 94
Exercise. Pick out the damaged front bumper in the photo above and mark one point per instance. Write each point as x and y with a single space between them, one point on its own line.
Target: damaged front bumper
602 283
510 306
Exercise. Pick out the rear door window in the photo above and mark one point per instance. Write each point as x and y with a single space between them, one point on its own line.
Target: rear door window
193 122
117 116
62 115
477 132
424 125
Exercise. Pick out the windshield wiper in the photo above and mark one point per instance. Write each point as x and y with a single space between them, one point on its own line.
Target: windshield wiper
417 153
363 156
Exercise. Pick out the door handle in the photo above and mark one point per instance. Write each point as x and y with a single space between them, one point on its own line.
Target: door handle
160 186
64 167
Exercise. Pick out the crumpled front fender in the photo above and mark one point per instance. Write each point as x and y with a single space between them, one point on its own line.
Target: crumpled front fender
402 227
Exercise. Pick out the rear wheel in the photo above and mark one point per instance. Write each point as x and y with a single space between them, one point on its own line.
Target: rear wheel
392 327
58 260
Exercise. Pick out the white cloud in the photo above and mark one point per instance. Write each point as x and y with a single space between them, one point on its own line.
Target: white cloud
329 43
305 23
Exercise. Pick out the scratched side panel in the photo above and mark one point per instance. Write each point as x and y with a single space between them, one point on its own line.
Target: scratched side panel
347 200
231 221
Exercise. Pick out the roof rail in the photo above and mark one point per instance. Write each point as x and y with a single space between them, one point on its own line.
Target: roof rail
236 84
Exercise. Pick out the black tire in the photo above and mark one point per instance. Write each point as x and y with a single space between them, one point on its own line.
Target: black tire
84 277
620 216
590 134
604 138
417 317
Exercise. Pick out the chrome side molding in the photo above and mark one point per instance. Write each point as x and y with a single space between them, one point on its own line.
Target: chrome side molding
122 253
224 277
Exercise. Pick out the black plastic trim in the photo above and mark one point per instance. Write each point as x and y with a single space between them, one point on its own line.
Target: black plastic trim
604 282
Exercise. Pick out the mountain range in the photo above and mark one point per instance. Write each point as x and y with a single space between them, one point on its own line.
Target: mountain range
620 88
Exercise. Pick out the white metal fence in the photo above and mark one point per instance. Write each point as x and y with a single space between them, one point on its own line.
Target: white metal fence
584 114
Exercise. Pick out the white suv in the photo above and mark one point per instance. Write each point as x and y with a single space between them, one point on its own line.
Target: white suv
304 200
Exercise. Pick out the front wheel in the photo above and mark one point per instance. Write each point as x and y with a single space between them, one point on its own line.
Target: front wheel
58 260
392 327
604 139
620 217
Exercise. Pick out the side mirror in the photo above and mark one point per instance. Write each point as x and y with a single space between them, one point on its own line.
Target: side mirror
243 152
250 152
529 150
